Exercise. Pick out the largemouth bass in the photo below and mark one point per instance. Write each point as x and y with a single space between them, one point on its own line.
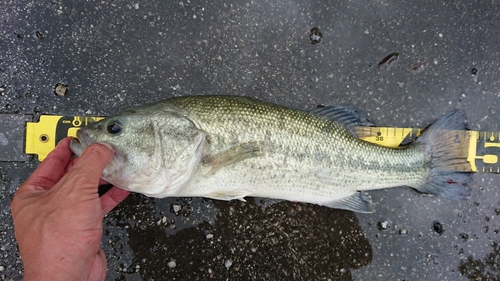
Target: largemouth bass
227 147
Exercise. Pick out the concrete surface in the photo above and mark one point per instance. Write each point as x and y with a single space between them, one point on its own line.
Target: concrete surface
115 54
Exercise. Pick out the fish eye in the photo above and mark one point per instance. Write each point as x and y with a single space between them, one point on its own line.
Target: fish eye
114 127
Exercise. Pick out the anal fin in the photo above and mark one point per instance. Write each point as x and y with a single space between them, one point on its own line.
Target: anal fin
357 202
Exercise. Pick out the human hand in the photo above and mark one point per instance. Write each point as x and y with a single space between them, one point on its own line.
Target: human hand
58 215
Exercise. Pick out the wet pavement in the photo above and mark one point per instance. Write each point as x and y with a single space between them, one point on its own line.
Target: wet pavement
116 54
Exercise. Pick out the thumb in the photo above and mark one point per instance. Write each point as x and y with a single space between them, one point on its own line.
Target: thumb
98 266
91 163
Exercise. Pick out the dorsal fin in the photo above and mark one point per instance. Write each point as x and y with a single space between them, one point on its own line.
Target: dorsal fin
348 116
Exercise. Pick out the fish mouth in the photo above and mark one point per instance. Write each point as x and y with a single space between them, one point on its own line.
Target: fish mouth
78 144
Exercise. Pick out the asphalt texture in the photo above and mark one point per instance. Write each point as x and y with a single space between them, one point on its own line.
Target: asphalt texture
115 54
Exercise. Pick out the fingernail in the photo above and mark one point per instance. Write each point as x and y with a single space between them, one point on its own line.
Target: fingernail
64 139
107 145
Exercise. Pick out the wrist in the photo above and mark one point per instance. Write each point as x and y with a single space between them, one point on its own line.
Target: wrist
53 274
54 269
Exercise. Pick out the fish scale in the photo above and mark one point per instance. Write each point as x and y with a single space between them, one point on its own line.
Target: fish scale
292 133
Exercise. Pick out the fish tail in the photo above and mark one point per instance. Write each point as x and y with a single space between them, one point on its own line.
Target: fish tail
449 175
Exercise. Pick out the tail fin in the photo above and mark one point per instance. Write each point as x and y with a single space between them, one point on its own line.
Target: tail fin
448 154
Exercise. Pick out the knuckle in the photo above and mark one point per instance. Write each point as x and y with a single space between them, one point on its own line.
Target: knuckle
78 178
98 150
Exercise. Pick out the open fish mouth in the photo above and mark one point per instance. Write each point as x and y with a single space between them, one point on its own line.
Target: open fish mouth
78 144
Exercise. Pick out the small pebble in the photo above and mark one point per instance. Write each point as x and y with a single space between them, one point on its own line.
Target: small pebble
176 208
315 35
61 89
438 227
171 264
228 263
2 268
383 225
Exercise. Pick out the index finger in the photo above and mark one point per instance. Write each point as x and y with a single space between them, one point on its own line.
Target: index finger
90 165
51 170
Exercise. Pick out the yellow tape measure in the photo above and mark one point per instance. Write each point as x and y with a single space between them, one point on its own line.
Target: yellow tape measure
481 149
43 136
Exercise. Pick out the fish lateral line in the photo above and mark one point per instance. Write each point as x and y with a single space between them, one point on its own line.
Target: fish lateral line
483 149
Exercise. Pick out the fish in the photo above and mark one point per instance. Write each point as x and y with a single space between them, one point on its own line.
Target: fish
232 147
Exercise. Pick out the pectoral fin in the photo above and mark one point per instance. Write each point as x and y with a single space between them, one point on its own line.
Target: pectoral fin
232 155
358 202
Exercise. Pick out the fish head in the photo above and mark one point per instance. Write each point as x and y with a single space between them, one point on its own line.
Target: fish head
155 154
